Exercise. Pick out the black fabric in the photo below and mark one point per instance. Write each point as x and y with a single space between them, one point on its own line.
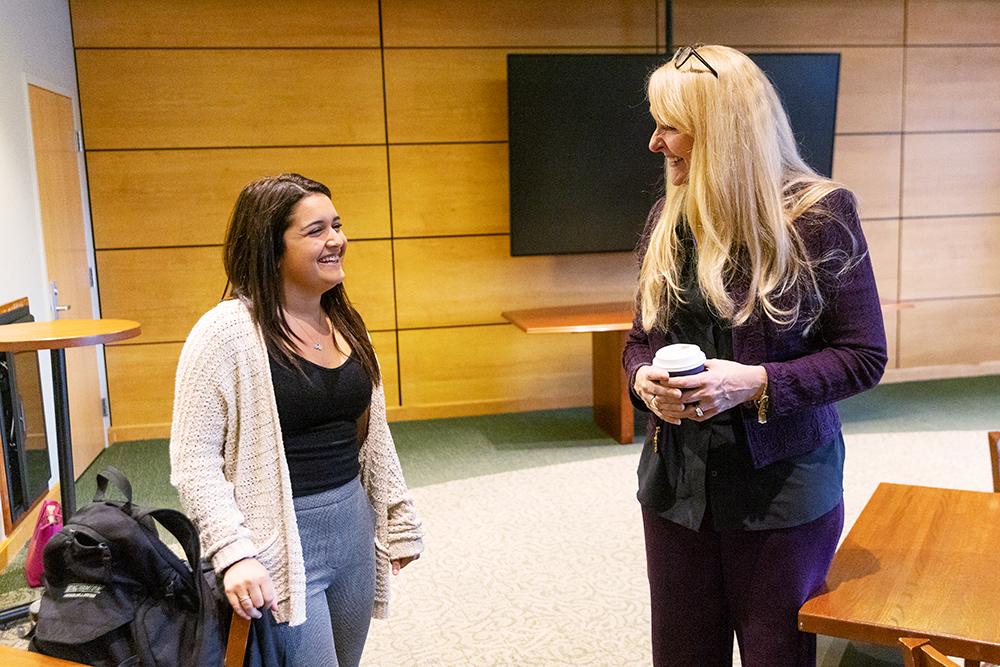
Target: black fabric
702 465
264 646
318 409
115 594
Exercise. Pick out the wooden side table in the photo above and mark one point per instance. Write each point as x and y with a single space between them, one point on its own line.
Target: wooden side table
608 325
56 336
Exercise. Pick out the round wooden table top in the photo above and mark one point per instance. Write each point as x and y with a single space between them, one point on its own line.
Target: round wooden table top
64 333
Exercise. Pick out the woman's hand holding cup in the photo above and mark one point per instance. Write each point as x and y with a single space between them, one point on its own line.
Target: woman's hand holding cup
722 385
671 361
663 401
682 384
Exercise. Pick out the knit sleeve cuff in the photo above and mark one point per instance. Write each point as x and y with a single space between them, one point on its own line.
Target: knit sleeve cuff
405 548
231 553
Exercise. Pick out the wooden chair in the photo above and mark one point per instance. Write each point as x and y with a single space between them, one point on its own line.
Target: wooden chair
919 653
239 632
994 439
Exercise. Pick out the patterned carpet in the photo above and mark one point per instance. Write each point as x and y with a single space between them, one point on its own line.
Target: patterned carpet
532 567
545 566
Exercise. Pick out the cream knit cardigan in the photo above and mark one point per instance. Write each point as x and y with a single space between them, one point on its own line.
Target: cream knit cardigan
228 463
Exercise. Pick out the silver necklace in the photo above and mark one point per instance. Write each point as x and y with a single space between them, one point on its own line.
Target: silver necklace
315 344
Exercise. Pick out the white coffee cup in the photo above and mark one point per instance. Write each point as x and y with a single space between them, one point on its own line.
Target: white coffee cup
680 359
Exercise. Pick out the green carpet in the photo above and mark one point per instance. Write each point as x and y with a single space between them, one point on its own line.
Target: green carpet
964 404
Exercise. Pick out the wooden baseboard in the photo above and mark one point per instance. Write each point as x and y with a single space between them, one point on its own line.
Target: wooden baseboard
470 409
941 372
138 432
20 534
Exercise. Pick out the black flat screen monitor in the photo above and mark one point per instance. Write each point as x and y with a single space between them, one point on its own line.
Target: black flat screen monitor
581 176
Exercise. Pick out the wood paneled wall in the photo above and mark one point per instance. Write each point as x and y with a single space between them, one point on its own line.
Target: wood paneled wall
401 107
403 112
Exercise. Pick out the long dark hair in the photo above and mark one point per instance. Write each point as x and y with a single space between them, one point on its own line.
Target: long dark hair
252 254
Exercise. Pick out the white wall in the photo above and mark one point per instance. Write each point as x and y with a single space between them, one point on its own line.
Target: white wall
36 46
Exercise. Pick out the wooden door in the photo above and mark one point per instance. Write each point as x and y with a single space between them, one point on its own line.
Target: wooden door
69 268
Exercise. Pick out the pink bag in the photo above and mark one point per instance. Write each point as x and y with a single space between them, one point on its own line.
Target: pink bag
49 523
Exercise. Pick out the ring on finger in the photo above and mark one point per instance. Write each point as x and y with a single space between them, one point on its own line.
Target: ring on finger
245 600
698 411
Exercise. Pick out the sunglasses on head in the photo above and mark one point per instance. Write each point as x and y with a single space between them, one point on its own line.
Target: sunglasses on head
684 53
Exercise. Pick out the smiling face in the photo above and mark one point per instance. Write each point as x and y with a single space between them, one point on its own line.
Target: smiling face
676 148
312 261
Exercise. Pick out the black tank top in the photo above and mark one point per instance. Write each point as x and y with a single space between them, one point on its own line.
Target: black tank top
318 410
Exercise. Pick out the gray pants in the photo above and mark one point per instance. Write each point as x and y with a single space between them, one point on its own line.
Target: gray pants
337 529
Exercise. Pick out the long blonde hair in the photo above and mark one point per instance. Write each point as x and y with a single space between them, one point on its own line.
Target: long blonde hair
746 186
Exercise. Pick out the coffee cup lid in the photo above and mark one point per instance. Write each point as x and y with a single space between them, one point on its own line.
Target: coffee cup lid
679 357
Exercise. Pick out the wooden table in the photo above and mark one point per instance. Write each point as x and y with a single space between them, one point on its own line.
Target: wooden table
919 562
12 657
608 324
56 336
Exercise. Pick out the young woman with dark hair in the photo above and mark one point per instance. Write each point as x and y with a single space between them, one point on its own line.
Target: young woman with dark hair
280 449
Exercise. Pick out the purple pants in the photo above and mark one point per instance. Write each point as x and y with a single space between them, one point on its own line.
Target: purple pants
705 585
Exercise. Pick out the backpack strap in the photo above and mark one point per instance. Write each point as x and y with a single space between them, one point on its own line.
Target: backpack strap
180 527
121 482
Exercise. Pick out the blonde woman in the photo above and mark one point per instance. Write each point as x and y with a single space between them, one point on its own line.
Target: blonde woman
761 262
279 448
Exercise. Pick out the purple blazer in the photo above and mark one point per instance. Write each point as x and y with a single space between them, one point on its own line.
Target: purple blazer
843 354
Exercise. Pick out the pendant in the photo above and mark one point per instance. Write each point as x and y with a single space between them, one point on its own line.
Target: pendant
317 346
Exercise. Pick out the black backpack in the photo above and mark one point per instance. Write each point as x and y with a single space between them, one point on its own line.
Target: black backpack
116 595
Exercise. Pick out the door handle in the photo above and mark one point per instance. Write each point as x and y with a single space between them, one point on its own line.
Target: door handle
56 308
